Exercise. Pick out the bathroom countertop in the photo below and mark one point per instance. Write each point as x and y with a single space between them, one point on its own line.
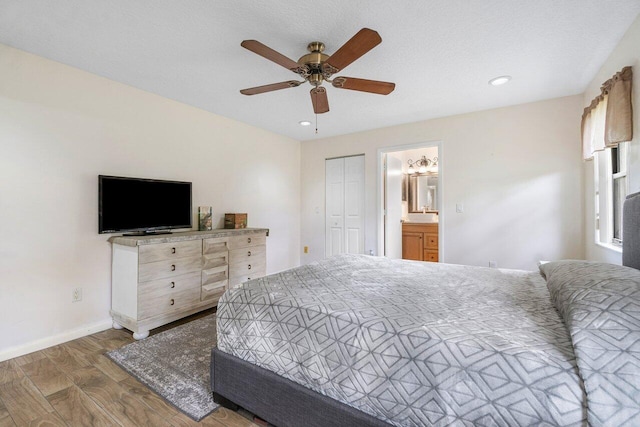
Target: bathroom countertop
417 218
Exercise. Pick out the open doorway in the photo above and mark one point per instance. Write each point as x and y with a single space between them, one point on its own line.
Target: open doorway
410 202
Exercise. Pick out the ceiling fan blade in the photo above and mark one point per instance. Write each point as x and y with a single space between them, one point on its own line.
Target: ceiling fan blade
268 88
358 45
364 85
319 100
270 54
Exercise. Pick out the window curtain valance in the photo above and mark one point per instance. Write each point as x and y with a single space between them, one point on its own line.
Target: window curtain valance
608 120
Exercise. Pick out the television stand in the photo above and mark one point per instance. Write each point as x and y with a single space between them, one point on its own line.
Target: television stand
158 279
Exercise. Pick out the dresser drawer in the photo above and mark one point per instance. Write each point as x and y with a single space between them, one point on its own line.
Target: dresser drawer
238 280
215 275
214 245
168 268
168 251
247 254
253 269
246 240
168 286
165 304
213 290
215 260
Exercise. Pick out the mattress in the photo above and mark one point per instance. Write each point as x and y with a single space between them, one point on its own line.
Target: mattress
412 343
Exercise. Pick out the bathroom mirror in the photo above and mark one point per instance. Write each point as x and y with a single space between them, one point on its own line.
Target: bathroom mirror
423 193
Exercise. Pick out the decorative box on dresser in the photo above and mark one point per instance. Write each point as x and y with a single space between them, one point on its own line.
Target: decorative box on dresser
420 241
157 279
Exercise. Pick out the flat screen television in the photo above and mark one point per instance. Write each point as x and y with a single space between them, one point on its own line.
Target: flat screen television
142 205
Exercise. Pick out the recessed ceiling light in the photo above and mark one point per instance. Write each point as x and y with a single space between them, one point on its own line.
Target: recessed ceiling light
499 80
305 123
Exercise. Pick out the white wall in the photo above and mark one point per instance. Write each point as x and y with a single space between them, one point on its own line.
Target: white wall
59 128
517 170
626 53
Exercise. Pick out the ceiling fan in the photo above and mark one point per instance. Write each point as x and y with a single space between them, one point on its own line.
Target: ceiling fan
317 67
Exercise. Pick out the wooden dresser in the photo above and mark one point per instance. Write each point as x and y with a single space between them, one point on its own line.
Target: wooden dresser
158 279
420 241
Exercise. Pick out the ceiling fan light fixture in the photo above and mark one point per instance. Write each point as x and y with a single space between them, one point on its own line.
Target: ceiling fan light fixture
304 123
498 81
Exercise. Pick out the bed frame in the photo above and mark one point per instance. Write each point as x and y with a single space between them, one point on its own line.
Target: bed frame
278 400
284 403
631 231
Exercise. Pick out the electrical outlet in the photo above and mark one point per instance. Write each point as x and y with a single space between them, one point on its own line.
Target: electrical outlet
77 295
306 249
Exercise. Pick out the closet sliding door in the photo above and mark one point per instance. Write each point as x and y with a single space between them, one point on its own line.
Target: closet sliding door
344 179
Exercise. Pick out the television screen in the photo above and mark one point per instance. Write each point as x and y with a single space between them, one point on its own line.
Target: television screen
142 205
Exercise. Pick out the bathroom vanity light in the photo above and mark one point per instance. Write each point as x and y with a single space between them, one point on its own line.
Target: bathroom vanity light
423 165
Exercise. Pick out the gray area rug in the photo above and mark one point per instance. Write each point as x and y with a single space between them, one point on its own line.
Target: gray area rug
175 364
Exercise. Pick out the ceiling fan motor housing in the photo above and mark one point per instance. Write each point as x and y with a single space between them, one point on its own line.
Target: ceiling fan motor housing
314 61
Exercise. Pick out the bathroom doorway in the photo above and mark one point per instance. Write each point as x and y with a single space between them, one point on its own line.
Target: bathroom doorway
410 201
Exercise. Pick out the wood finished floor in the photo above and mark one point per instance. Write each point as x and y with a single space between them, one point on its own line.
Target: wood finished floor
75 384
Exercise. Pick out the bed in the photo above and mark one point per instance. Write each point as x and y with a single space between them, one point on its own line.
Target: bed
368 341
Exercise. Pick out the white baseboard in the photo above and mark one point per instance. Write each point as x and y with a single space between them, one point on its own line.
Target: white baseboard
55 340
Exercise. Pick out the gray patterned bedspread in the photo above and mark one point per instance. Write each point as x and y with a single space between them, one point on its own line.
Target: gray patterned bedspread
600 304
412 343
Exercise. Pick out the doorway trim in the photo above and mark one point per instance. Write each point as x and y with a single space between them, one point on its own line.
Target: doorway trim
380 192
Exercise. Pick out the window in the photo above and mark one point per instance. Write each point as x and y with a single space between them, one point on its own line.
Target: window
607 128
611 190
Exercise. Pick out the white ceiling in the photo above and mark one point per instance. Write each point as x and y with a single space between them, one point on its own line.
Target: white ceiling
440 53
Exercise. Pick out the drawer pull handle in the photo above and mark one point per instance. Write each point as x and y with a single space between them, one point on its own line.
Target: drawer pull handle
172 301
248 253
249 240
249 267
173 250
173 267
173 285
